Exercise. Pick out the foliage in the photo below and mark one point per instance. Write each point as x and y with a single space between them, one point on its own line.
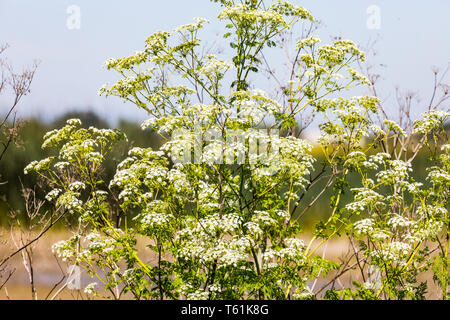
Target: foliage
217 202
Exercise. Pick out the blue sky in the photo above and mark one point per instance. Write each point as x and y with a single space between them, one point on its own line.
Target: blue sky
414 36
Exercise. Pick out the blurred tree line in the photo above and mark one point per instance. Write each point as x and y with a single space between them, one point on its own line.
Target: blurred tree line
28 148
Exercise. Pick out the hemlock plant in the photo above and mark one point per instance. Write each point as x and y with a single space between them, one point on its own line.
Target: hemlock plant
218 204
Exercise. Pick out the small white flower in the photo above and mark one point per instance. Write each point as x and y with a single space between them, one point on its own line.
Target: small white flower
74 122
90 288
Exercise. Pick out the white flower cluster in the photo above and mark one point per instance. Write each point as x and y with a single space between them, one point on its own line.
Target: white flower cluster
398 221
293 252
308 42
208 195
254 106
61 165
358 159
90 288
142 172
155 216
263 220
92 247
53 194
355 159
214 68
38 165
295 159
251 112
303 295
228 223
179 181
126 87
203 112
364 199
426 230
397 174
394 251
61 249
77 186
377 130
126 63
357 76
191 293
439 176
199 242
394 127
436 212
164 125
429 121
244 14
54 137
66 249
365 226
235 253
71 202
192 27
155 220
212 152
